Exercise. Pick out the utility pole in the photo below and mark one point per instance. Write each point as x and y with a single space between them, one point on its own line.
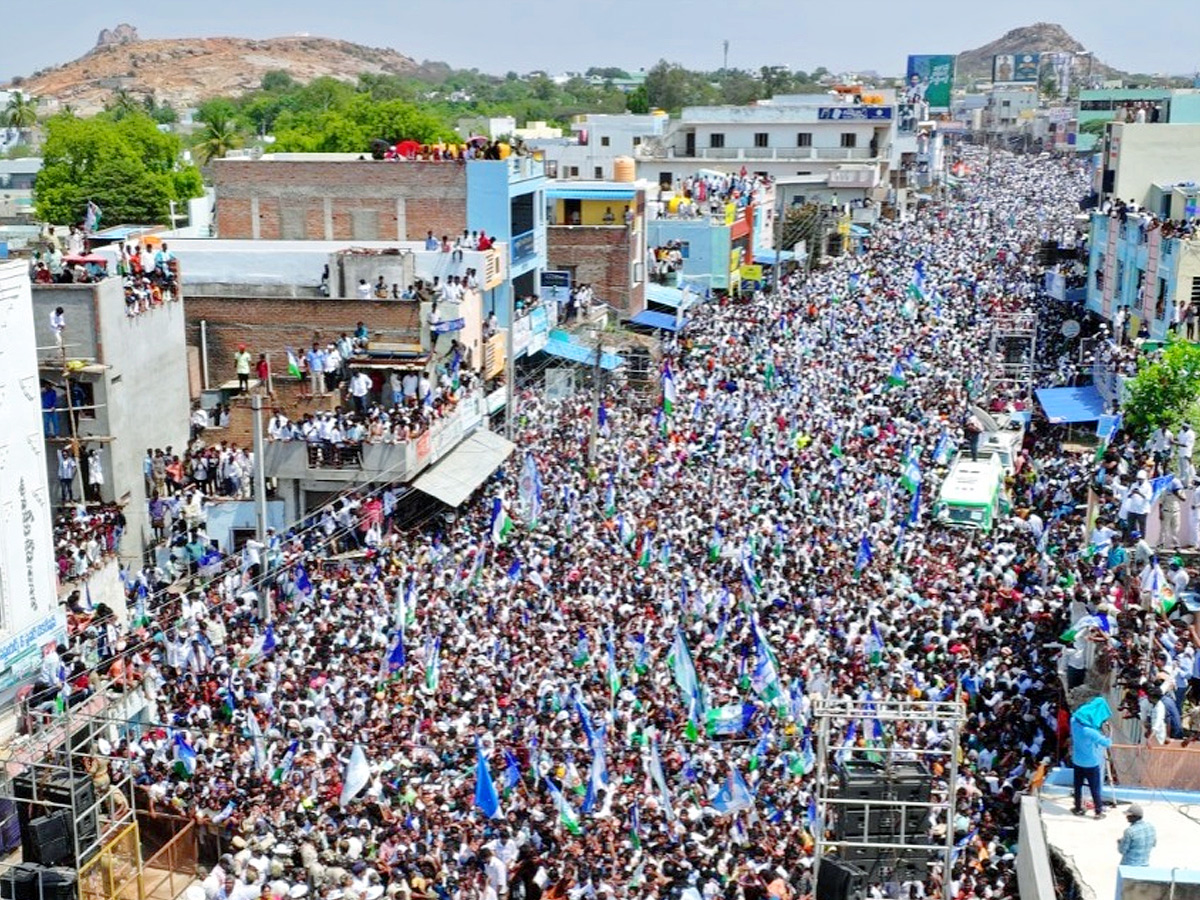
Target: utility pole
725 60
510 375
265 611
778 249
260 471
595 424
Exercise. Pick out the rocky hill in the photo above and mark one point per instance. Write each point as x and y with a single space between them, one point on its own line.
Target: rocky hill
1043 37
183 72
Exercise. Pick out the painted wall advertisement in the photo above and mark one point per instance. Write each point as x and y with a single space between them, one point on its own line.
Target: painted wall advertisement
930 80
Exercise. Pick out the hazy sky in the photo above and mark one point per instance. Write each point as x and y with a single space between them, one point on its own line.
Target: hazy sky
497 36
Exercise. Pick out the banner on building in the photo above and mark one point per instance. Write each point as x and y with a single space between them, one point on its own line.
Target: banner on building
930 80
1016 68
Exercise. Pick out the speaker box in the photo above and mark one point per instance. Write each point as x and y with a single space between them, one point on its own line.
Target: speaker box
50 839
58 884
10 826
21 882
51 795
840 880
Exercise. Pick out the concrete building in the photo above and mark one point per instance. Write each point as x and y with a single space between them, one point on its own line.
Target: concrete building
1010 109
1161 106
788 135
595 143
1132 267
347 198
597 236
16 188
30 616
1134 157
268 295
131 373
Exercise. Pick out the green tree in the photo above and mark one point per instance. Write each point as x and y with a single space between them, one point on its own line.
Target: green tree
277 80
637 100
127 167
739 88
122 104
21 112
1164 392
667 86
218 137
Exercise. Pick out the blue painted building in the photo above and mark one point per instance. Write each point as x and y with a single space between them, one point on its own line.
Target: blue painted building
1134 267
506 198
708 246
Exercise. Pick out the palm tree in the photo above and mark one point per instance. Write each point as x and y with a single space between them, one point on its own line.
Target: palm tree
218 138
21 112
122 103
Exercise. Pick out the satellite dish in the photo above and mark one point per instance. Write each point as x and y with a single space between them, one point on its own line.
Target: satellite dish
1070 328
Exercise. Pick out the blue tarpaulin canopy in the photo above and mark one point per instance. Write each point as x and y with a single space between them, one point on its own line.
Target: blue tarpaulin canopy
664 295
1067 405
580 354
767 257
651 319
591 194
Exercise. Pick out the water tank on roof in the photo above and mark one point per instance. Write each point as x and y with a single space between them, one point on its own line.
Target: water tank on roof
624 169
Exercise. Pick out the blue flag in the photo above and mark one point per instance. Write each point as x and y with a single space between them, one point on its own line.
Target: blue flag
269 640
486 797
864 555
734 794
512 771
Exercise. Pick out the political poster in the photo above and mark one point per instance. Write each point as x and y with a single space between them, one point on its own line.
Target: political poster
1016 68
930 80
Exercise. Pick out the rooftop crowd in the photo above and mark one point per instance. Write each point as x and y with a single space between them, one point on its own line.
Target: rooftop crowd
755 522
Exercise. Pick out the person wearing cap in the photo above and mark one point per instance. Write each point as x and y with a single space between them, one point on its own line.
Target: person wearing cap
1138 840
241 362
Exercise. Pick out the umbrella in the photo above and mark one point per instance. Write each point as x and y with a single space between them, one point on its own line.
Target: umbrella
408 148
477 139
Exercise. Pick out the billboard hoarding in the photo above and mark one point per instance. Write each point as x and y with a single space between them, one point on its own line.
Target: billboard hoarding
930 79
1016 68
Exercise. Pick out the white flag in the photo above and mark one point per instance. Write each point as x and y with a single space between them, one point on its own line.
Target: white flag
358 775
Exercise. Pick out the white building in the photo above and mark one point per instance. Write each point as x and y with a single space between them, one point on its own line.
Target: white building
29 611
794 135
595 142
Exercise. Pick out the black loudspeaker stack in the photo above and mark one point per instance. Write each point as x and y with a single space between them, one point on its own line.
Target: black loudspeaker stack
49 831
839 880
903 781
30 881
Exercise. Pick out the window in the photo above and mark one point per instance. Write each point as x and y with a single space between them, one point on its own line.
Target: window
637 141
598 173
804 139
604 141
849 139
573 172
760 139
716 139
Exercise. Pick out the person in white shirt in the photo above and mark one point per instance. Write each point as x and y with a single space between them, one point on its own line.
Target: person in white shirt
360 390
1185 446
1137 502
1161 442
363 289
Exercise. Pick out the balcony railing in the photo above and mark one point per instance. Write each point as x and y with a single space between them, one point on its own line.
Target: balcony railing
360 463
781 154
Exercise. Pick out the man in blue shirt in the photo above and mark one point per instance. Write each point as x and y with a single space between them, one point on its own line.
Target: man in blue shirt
1087 751
1138 840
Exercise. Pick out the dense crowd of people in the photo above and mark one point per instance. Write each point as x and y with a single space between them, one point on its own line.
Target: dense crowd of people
628 650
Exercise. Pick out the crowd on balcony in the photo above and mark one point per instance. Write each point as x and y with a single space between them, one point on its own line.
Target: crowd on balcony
380 408
1147 222
84 537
